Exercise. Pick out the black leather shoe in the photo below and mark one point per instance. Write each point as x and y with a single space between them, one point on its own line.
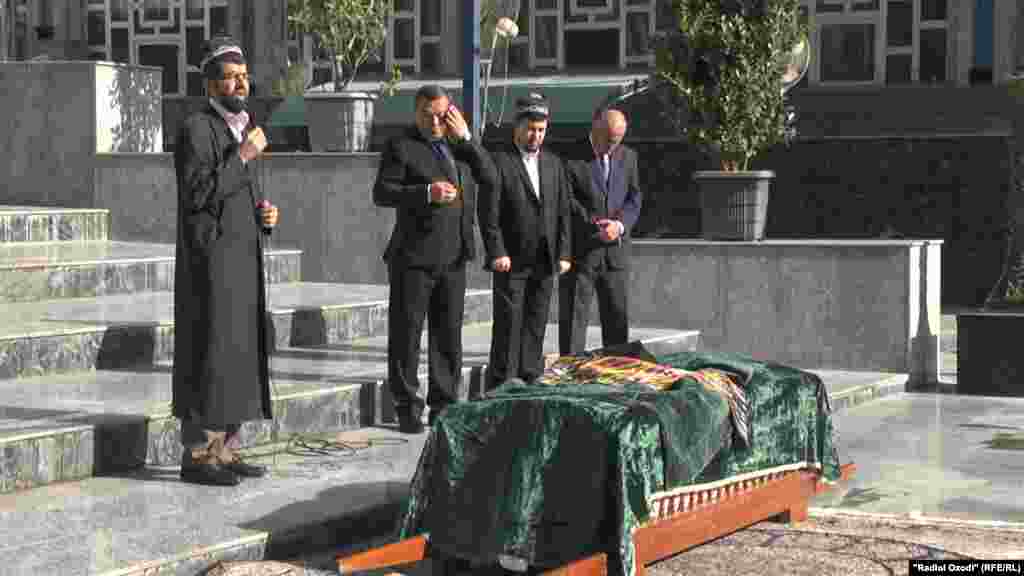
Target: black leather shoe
243 470
209 475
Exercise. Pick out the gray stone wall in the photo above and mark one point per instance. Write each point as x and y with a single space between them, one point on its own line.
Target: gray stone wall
326 206
61 115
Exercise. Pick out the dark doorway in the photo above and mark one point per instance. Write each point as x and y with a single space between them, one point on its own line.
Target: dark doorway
592 49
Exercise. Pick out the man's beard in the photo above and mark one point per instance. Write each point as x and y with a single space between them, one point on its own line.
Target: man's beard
233 103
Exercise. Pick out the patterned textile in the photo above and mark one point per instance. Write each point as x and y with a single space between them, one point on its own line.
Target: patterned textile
618 370
552 471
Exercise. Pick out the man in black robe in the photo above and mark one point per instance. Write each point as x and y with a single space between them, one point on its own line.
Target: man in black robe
429 175
221 369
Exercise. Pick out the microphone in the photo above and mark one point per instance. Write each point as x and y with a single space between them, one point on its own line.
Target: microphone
260 206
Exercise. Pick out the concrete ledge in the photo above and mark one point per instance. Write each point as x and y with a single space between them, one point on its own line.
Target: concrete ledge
857 305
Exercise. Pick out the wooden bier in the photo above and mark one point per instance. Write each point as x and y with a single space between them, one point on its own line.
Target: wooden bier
682 520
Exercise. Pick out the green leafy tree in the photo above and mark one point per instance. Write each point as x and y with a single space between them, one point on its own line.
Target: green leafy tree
723 64
350 30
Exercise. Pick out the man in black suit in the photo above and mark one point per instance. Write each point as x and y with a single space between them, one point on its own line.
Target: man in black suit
429 175
605 204
524 221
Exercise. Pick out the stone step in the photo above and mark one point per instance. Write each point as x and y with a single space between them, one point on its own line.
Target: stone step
313 504
476 345
45 224
73 426
69 426
127 330
32 272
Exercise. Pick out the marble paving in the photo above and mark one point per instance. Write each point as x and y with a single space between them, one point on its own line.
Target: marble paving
149 519
934 455
118 525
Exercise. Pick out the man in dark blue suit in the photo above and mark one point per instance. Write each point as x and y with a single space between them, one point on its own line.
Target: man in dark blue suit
605 204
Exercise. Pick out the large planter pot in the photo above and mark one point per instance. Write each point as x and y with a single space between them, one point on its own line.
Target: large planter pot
339 121
733 205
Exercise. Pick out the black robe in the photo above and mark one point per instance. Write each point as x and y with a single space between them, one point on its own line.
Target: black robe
221 371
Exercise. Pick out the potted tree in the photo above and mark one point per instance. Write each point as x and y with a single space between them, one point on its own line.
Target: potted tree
1008 291
728 64
351 31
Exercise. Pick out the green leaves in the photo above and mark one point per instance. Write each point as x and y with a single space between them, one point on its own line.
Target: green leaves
351 30
723 60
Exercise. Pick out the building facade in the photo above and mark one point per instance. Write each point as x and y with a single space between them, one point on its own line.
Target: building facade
857 42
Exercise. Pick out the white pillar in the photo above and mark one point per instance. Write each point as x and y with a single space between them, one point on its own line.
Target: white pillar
1003 58
5 31
961 28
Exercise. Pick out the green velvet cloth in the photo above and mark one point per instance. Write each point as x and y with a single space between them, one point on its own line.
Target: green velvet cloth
552 473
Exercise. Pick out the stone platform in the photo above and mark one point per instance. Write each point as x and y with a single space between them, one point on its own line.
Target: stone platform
146 522
59 427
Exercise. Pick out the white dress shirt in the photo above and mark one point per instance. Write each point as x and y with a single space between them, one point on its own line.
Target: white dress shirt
532 164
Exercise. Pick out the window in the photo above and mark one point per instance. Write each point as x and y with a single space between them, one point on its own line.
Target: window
879 41
156 32
848 53
601 33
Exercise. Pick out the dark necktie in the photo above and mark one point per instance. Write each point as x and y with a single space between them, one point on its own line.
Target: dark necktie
443 154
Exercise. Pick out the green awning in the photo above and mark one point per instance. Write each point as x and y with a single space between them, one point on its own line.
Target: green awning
289 114
573 99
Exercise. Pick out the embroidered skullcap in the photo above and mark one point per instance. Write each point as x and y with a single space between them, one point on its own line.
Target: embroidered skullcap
219 50
533 106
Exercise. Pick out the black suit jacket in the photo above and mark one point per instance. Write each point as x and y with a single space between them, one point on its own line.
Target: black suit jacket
408 166
590 199
512 218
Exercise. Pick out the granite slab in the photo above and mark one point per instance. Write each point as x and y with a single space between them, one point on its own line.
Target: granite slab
127 330
34 272
476 340
934 455
19 224
148 522
847 389
76 425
